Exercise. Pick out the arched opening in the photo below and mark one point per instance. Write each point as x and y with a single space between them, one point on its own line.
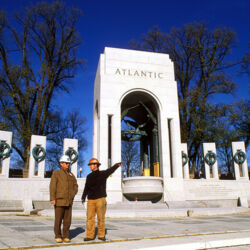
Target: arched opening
140 147
140 144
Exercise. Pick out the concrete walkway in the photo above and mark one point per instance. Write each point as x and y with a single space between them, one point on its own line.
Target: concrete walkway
201 232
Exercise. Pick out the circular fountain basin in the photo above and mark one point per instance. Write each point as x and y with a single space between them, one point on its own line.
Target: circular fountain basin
143 188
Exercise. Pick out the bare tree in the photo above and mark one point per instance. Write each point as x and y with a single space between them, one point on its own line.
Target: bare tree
38 58
245 63
70 125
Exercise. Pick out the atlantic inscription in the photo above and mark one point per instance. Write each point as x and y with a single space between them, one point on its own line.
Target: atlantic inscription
139 73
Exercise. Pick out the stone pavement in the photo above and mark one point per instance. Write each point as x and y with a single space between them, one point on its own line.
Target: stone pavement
36 232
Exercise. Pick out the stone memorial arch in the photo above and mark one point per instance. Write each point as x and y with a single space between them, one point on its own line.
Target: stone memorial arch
137 88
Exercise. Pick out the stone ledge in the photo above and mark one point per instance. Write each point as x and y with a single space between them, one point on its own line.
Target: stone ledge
11 206
155 213
226 203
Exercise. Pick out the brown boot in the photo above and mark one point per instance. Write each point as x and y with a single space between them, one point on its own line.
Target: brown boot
88 239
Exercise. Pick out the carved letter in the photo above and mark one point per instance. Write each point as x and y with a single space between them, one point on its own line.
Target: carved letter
124 71
136 73
143 73
159 75
118 72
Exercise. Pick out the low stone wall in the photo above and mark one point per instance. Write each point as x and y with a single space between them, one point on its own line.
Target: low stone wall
203 189
218 190
29 190
207 190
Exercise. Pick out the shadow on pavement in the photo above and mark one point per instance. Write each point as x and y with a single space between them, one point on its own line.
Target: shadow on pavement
75 232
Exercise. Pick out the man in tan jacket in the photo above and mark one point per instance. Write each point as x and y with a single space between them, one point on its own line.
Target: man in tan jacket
63 188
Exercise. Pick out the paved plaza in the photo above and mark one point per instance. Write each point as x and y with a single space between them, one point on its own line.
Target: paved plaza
36 232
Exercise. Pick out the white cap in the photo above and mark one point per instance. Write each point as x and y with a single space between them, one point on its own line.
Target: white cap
65 158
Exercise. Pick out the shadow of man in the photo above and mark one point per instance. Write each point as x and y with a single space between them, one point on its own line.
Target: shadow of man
76 231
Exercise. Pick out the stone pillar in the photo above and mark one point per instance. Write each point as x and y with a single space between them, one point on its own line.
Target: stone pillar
186 166
116 143
95 130
206 148
240 146
176 152
164 149
71 143
5 136
156 163
102 146
114 181
36 140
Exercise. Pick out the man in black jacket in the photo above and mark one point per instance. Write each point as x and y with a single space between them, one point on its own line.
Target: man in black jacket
95 190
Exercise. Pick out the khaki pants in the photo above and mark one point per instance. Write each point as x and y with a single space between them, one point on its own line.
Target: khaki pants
62 214
94 207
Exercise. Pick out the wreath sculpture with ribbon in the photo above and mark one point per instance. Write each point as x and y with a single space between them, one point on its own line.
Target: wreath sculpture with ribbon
210 158
184 158
39 153
239 157
5 149
72 154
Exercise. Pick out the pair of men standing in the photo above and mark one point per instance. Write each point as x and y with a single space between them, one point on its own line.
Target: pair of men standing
63 188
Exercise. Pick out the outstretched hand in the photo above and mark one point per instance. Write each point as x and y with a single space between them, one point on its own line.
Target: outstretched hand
120 163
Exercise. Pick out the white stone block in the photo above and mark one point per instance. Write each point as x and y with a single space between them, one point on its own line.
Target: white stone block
186 166
71 143
240 145
206 148
5 136
37 140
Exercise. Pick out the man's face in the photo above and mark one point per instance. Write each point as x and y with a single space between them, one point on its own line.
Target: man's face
93 167
64 165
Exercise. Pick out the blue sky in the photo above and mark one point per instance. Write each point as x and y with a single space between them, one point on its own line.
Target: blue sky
110 23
